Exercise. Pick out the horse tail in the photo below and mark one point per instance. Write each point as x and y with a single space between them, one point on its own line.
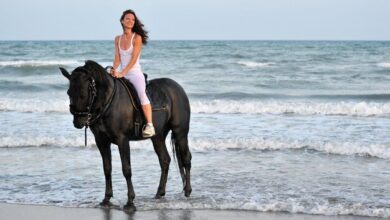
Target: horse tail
176 154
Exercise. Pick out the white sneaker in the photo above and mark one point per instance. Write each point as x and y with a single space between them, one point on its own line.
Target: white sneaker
148 130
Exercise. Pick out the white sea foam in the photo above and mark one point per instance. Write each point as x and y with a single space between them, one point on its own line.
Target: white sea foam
76 139
34 105
288 206
207 144
355 209
385 65
42 141
300 108
340 148
363 109
40 63
252 64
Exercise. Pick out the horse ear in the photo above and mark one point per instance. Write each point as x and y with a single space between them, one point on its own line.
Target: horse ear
65 73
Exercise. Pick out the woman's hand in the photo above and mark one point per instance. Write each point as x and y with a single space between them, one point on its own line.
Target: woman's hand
118 74
112 71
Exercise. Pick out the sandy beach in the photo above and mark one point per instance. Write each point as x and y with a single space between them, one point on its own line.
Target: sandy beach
34 212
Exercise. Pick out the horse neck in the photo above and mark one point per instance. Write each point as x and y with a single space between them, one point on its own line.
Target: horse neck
123 97
105 88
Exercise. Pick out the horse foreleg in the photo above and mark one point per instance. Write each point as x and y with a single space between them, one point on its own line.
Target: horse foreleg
164 159
105 151
124 150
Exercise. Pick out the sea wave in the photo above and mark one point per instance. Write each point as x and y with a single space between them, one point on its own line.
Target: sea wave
299 108
252 64
355 209
16 86
339 148
46 63
290 205
262 96
361 109
385 65
40 63
201 144
44 141
34 105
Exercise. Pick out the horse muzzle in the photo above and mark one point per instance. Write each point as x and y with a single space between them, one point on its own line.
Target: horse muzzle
79 122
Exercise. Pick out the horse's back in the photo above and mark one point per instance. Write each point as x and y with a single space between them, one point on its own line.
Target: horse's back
176 100
166 83
167 87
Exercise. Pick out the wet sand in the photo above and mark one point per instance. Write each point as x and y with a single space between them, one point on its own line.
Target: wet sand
35 212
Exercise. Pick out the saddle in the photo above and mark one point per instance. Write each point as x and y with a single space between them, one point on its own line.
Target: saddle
157 98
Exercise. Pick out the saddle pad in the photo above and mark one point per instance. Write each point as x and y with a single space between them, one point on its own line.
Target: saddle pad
157 97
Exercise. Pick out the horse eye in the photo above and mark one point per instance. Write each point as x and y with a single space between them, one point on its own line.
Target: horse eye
67 92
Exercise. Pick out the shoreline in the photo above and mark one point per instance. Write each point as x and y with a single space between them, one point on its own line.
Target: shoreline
37 212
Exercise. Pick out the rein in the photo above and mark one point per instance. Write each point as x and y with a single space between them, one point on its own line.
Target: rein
92 93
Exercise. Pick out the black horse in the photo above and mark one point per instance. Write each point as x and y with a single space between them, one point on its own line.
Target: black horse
99 101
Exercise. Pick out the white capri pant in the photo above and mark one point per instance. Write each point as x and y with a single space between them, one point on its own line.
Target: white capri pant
138 80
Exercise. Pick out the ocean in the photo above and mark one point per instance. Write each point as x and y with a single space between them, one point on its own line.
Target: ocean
279 126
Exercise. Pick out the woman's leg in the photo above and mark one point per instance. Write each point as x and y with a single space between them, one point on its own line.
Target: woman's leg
147 109
138 80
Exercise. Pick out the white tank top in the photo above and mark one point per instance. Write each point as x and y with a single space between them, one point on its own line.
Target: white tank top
125 56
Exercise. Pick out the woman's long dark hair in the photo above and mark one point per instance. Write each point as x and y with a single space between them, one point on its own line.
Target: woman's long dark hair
138 26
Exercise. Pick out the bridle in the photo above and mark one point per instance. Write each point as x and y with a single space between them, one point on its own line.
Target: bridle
92 94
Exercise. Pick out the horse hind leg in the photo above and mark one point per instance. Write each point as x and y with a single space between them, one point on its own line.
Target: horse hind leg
164 159
124 151
184 157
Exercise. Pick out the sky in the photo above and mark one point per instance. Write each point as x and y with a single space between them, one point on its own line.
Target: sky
198 19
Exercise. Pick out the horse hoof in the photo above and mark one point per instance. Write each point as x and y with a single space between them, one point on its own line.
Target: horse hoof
130 208
105 204
187 193
159 195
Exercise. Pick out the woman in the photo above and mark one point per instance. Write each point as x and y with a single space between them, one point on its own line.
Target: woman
127 52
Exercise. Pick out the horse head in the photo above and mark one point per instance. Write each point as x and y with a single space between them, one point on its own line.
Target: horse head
91 90
81 92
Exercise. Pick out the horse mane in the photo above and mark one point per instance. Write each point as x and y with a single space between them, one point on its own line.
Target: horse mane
94 69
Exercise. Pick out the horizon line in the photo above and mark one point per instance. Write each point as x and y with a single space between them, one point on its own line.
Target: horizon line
3 40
